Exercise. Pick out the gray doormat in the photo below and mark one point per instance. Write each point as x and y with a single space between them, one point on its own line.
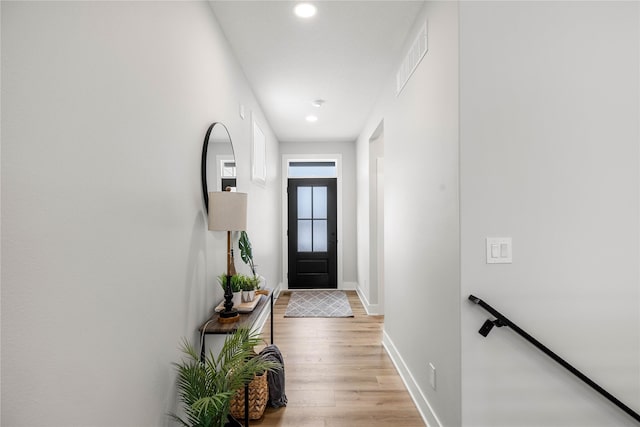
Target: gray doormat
318 304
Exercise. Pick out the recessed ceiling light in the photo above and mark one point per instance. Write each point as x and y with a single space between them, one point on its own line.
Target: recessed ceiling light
318 103
305 10
311 118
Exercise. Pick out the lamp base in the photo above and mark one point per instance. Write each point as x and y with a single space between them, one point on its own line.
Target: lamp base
229 316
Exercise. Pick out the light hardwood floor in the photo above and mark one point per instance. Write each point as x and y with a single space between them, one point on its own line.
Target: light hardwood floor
337 373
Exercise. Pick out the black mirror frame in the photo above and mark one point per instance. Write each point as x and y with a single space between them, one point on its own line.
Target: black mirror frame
203 161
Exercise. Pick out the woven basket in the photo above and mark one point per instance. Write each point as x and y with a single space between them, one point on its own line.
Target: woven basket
258 397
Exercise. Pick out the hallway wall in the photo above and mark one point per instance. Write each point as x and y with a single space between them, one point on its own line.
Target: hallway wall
106 258
550 157
422 269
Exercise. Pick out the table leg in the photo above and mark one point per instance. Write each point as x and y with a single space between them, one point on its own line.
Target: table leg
246 405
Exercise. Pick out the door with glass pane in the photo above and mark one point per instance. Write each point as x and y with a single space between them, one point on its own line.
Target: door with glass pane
312 233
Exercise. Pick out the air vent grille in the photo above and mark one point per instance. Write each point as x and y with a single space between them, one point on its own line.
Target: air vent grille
412 59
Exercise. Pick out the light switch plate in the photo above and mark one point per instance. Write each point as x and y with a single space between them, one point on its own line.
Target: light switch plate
499 250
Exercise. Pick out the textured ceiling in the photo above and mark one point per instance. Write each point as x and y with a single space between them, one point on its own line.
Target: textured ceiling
343 55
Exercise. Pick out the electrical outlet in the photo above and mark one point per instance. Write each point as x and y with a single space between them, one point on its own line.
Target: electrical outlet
432 376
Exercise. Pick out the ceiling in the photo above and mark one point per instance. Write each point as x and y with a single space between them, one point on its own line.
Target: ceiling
342 55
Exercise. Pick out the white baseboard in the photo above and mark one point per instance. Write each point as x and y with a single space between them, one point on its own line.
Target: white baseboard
346 286
371 309
426 411
279 288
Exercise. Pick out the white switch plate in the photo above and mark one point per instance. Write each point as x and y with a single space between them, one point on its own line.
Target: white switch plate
499 250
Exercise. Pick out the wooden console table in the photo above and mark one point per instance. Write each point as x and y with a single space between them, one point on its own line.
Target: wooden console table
213 327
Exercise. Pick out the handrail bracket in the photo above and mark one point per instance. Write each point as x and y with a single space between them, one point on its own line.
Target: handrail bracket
488 326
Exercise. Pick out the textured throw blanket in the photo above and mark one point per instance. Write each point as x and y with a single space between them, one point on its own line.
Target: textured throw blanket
277 397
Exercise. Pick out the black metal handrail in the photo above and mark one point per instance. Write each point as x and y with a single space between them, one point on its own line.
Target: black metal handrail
501 320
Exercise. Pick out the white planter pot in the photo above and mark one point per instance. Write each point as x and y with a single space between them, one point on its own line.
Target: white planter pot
248 296
237 298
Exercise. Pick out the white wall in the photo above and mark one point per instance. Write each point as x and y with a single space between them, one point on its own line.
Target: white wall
422 285
106 260
263 222
549 156
347 242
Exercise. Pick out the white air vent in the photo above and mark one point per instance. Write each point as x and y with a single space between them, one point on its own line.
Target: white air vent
414 56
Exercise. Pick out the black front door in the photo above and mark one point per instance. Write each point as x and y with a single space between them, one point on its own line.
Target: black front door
312 233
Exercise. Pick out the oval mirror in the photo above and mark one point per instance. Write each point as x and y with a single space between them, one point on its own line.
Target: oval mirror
218 161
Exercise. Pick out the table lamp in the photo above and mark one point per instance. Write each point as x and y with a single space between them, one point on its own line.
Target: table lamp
228 212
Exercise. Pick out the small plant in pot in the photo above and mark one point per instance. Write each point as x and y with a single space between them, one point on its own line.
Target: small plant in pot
249 287
206 388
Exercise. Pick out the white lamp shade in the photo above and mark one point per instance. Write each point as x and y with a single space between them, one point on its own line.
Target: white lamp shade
227 211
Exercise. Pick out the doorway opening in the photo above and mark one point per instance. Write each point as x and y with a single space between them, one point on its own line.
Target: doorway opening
376 220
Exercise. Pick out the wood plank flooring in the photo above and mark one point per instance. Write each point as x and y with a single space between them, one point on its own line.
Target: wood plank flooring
337 373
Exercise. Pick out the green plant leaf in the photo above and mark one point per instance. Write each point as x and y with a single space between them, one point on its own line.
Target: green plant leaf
206 387
246 252
244 244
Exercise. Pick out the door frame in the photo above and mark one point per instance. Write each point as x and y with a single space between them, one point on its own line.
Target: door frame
313 257
376 290
286 159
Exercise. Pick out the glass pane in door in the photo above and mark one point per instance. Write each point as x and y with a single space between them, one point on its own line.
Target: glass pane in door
319 202
305 203
319 235
305 239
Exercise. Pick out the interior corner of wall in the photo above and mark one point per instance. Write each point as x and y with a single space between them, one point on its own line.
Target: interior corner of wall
371 309
349 286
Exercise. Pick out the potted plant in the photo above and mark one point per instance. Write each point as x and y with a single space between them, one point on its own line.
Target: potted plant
249 286
205 388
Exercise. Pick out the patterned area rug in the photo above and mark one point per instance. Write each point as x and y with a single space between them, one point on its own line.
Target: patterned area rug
318 304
